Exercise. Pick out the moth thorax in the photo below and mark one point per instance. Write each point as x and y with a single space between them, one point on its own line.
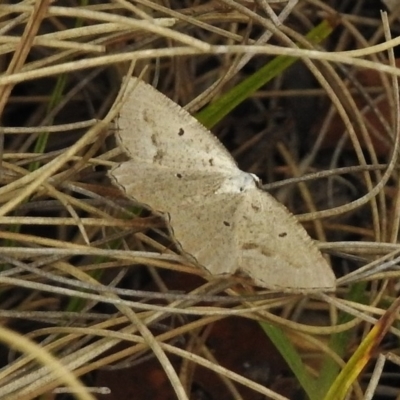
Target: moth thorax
238 183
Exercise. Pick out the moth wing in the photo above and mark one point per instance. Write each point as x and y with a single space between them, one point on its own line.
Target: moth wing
207 233
201 221
153 129
164 189
275 250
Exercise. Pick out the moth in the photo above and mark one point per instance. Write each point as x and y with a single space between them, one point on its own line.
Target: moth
217 213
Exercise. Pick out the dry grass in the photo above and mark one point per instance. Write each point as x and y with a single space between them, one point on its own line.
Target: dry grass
88 270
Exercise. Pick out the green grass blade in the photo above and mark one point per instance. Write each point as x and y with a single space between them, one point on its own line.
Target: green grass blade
41 143
292 358
57 94
339 343
365 351
217 110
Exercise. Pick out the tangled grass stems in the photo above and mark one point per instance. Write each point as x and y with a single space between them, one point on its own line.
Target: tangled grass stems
72 223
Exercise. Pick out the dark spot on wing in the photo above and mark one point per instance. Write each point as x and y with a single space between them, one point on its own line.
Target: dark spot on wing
153 139
181 132
146 116
179 176
249 246
211 162
283 234
255 246
158 156
226 223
